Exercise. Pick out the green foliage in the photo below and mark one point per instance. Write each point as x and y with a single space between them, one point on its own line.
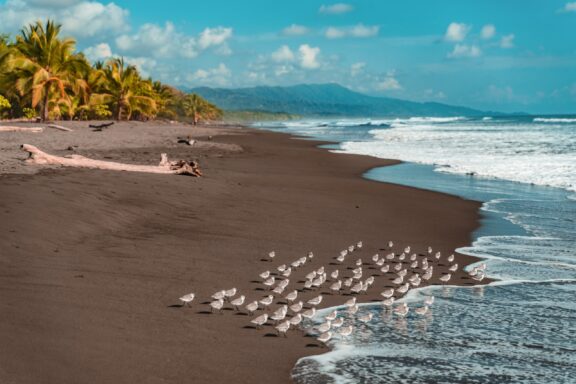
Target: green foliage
40 71
29 113
250 116
4 103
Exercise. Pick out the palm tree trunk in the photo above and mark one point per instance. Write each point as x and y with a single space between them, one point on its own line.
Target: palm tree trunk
44 113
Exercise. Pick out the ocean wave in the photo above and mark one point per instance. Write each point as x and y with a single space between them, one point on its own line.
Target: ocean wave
554 120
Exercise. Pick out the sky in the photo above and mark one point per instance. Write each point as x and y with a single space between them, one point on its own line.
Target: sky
500 55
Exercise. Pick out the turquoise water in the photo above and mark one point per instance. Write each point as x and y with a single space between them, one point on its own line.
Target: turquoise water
521 329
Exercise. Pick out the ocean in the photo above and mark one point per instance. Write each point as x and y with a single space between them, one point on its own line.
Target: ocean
519 329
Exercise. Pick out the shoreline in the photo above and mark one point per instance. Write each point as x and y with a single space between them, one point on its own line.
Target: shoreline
109 230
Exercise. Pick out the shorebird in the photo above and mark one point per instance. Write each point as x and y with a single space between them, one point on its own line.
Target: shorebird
350 302
357 288
450 258
385 268
296 320
388 302
283 327
220 295
403 288
390 256
429 249
445 278
479 276
337 323
308 284
482 267
351 249
398 280
340 258
357 275
325 337
291 296
287 272
416 282
359 245
413 257
387 293
309 313
336 286
414 264
380 262
271 255
370 280
315 300
230 293
359 262
348 282
284 283
453 268
269 282
311 275
402 310
325 327
310 255
332 315
407 249
398 266
317 282
334 274
344 253
267 300
280 313
352 309
217 304
252 307
429 300
296 264
402 257
260 320
390 244
346 331
297 307
265 274
438 255
428 274
187 299
278 290
422 310
403 272
375 258
366 318
281 268
238 301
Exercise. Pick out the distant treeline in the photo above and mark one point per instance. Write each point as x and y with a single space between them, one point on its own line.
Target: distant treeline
247 116
43 76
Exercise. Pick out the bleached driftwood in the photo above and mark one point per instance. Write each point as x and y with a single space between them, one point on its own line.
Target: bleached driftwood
60 128
180 167
6 128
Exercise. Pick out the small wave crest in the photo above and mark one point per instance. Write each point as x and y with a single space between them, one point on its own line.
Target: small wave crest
554 120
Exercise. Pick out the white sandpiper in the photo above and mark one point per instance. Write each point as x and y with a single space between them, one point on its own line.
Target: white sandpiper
187 299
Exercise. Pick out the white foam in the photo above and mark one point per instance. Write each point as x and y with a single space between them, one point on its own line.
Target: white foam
554 120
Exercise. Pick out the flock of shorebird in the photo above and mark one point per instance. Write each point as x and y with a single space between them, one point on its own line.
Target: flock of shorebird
406 269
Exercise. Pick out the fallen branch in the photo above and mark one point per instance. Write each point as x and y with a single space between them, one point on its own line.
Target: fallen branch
21 129
59 127
180 167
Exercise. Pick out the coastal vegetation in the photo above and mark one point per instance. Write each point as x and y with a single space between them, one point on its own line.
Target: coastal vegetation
43 76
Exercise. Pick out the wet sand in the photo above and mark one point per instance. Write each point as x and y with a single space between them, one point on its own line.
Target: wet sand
92 263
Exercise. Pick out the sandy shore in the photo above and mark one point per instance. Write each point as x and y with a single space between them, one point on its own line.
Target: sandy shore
92 262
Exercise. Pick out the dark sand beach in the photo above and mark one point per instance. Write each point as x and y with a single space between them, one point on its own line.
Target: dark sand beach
92 263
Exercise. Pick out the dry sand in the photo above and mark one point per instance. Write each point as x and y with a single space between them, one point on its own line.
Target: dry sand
92 262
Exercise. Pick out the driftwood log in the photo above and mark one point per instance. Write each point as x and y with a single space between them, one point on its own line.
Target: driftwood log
60 128
99 127
6 128
180 167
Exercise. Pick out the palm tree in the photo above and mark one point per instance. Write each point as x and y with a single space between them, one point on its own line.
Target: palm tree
198 108
124 89
42 67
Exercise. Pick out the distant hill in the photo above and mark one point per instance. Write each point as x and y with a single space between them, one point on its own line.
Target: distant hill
324 100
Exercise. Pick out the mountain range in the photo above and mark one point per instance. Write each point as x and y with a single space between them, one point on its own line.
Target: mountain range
324 100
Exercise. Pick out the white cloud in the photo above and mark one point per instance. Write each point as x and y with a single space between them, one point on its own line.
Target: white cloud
308 56
390 83
98 52
336 9
214 36
167 42
488 31
295 30
283 70
507 41
78 18
357 68
145 65
359 30
570 7
463 50
457 32
283 54
219 76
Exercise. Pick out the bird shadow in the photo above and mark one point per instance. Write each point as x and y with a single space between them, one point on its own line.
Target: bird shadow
176 306
206 302
259 289
204 312
249 327
255 281
270 335
241 314
332 263
313 346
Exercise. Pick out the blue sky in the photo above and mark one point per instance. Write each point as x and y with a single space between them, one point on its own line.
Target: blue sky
505 55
